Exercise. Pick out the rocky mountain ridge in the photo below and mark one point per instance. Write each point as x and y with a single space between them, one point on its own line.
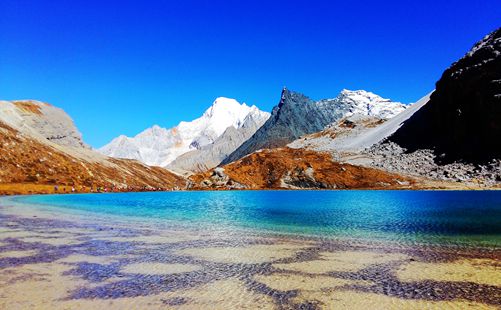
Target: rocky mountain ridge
451 134
297 115
211 155
158 146
356 132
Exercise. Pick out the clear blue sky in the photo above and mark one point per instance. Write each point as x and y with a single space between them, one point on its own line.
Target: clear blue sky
118 67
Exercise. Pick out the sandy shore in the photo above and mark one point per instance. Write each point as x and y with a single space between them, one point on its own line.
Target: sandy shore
71 261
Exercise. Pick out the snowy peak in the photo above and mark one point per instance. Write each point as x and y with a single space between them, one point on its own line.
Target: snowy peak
369 104
223 113
153 131
159 146
360 95
121 147
225 106
348 102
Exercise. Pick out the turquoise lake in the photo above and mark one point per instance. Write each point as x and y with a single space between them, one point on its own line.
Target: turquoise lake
455 217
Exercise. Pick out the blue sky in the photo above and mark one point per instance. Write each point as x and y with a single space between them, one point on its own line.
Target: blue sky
118 67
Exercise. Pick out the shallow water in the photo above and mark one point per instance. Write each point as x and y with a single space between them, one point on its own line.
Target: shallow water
252 250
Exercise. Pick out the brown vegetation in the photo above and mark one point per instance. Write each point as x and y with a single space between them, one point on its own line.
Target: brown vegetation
28 106
30 164
296 168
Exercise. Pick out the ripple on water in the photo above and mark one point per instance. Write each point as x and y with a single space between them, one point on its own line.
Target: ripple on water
344 299
91 259
153 239
290 282
481 271
342 261
10 233
159 268
18 254
252 254
52 241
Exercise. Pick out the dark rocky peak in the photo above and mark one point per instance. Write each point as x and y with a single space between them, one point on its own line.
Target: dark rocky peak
297 115
289 97
462 120
290 100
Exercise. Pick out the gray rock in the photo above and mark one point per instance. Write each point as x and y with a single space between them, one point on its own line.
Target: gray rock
390 156
210 156
43 120
297 115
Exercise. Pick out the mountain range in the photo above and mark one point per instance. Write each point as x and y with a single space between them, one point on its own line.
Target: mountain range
228 130
297 115
158 146
450 138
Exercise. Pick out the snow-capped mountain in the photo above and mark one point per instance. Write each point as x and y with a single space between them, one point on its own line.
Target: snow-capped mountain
297 115
211 155
369 104
158 146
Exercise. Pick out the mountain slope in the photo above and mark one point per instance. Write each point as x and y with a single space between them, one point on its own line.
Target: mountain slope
462 120
451 135
297 115
211 155
36 153
285 168
355 133
158 146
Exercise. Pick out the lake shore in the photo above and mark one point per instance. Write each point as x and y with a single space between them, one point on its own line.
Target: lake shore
69 260
8 189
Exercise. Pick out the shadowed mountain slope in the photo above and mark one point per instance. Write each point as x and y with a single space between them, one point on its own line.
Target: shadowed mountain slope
462 120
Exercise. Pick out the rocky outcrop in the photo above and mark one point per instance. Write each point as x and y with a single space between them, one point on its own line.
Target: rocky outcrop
218 179
41 120
462 120
211 155
297 115
285 168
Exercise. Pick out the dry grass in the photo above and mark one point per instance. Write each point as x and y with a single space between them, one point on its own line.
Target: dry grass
28 106
266 169
29 166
